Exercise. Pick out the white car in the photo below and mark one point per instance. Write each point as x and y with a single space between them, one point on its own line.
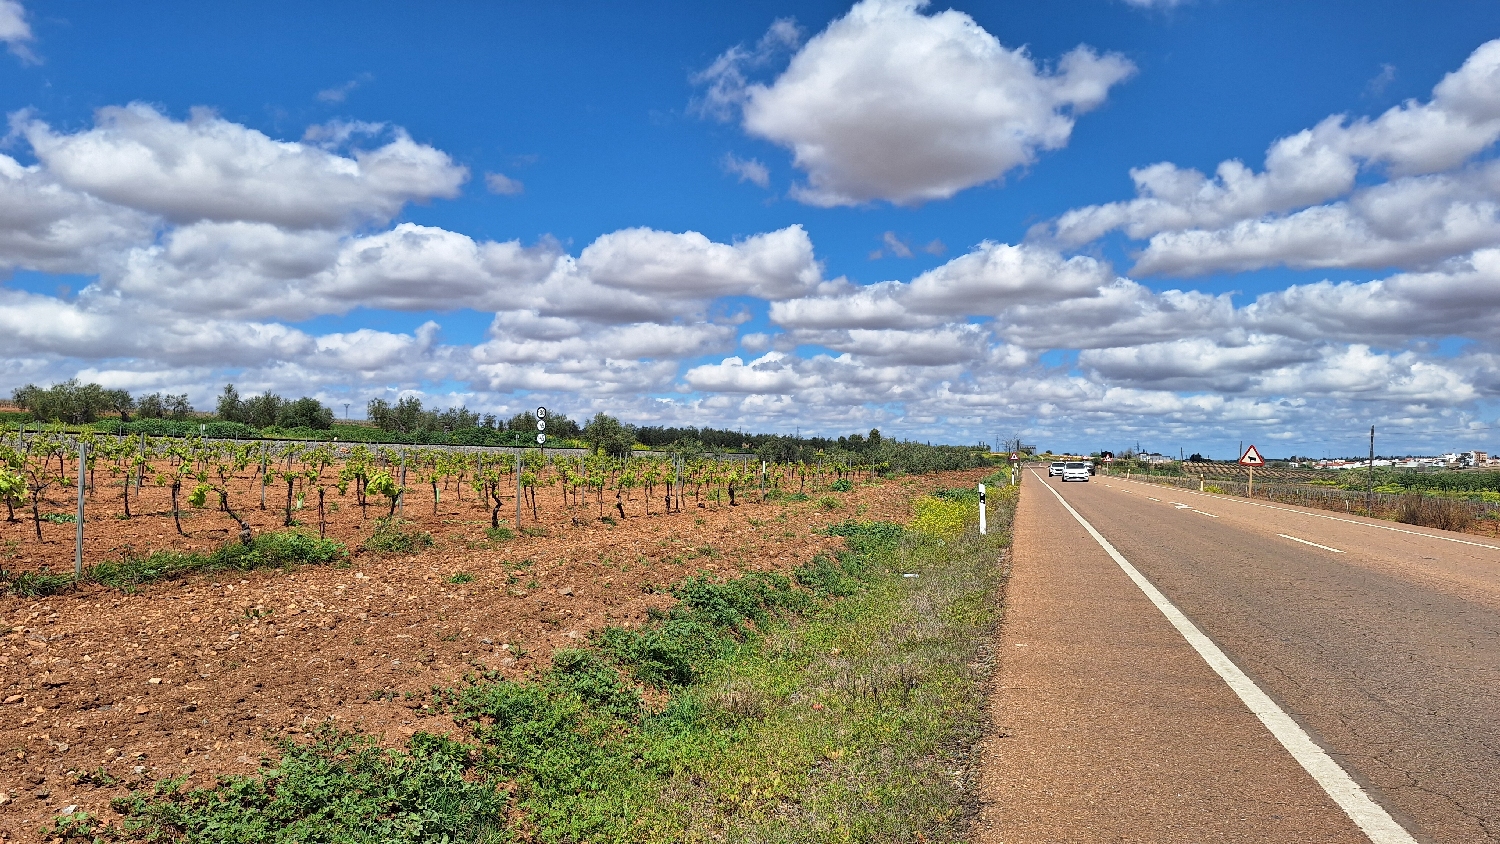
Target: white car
1055 469
1075 470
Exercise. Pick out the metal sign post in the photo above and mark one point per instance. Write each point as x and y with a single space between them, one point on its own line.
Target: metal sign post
983 528
1250 459
83 452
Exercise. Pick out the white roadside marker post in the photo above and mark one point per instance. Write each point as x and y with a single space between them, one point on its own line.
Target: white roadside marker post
983 528
78 544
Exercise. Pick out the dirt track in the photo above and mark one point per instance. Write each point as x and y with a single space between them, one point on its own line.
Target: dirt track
184 677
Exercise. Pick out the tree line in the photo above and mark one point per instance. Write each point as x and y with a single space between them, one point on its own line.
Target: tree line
407 421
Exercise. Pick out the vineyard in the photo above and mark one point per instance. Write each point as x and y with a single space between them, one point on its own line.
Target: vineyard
239 596
1466 506
144 495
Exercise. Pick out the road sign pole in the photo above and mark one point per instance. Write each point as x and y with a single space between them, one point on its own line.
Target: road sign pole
1250 489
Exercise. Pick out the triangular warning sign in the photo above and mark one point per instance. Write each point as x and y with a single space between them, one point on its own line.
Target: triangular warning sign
1251 457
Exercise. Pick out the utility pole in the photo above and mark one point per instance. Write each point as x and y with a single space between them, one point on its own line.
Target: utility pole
1370 482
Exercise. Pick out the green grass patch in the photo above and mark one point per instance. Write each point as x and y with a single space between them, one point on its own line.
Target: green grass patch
837 704
499 534
37 584
59 518
393 536
461 577
279 549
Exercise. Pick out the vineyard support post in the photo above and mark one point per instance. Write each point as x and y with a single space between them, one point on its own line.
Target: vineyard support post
983 528
401 496
140 470
518 490
263 468
78 543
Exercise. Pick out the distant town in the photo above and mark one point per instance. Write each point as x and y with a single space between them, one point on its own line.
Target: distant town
1415 463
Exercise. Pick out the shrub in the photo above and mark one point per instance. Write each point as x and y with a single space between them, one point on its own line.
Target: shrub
391 537
1215 488
1430 511
842 485
828 502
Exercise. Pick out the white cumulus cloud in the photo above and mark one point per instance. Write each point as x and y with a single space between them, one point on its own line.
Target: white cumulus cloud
207 168
890 103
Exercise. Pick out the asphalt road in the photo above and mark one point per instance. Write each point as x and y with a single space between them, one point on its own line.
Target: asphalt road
1381 641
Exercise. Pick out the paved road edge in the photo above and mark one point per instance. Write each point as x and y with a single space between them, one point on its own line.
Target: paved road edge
1369 816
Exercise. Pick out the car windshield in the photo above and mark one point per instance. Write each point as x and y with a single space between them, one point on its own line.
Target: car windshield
1075 466
1058 463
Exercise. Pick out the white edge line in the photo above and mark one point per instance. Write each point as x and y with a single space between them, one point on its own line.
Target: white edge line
1234 500
1373 820
1201 513
1313 544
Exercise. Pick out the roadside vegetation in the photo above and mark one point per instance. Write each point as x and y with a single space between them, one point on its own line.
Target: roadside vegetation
1464 501
837 704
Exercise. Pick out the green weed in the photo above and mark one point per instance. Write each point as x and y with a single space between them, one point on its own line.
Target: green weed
392 536
39 584
278 549
338 787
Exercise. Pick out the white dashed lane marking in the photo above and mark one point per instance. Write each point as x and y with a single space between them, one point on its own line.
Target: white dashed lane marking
1313 544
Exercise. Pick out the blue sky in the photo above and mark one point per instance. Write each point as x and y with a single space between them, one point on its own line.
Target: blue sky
686 213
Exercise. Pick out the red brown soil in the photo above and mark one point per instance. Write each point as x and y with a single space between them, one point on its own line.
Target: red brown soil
181 678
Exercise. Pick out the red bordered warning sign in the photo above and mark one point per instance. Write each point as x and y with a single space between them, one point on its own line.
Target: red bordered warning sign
1252 457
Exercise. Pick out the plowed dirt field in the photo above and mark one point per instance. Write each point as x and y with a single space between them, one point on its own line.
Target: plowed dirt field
200 676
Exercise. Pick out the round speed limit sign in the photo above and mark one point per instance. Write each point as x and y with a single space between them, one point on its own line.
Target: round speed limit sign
541 424
541 438
541 413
